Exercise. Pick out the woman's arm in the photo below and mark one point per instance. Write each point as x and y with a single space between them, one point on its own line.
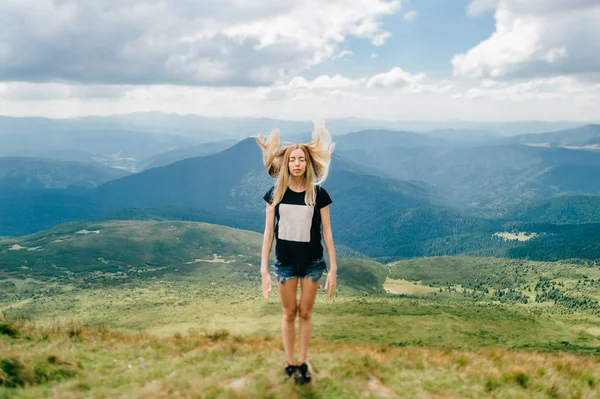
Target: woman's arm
331 282
328 238
266 252
267 238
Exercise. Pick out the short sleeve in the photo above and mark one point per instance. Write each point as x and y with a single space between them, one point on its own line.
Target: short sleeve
323 198
267 196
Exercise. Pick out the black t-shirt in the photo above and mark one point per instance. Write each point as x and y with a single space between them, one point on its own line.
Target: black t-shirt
298 226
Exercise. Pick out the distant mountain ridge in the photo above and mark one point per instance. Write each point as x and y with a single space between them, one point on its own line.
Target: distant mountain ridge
378 138
18 173
482 174
587 135
66 140
179 154
213 129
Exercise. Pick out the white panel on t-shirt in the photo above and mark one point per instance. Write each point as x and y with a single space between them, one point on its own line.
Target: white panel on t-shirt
295 222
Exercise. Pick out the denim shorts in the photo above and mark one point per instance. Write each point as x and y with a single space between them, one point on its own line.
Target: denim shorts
284 271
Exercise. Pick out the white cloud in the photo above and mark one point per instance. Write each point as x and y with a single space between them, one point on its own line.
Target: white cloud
535 38
396 80
375 103
554 55
343 54
393 94
321 82
25 91
300 87
395 77
557 98
380 38
564 88
478 7
236 43
411 16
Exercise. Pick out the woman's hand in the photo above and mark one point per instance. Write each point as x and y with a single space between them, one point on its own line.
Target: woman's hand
330 283
266 284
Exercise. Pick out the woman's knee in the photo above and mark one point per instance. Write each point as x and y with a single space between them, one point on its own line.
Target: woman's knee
305 313
289 314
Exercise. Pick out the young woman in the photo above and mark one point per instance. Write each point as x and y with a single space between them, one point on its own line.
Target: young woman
297 208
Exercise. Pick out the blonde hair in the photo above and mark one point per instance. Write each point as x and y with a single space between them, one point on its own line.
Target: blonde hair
276 156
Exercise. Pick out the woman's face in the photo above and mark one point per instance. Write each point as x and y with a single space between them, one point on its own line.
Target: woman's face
297 164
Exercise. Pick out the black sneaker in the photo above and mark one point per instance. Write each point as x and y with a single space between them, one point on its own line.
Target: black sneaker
289 371
303 375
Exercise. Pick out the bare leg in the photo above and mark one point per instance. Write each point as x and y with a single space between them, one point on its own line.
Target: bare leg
308 292
287 292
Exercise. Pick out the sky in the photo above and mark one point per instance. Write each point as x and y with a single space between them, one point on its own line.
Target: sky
480 60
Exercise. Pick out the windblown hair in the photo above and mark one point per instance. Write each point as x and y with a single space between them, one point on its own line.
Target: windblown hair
276 157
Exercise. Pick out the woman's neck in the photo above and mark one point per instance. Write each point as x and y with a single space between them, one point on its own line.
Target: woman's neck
297 184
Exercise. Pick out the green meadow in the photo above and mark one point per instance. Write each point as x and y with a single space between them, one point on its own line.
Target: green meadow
174 309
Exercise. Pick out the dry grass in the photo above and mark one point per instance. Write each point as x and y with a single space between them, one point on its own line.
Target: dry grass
102 363
407 287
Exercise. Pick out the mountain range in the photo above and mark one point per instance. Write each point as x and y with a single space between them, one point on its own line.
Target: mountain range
397 194
484 174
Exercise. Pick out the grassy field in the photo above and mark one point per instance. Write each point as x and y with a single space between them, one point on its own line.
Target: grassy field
70 361
161 309
164 308
186 339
